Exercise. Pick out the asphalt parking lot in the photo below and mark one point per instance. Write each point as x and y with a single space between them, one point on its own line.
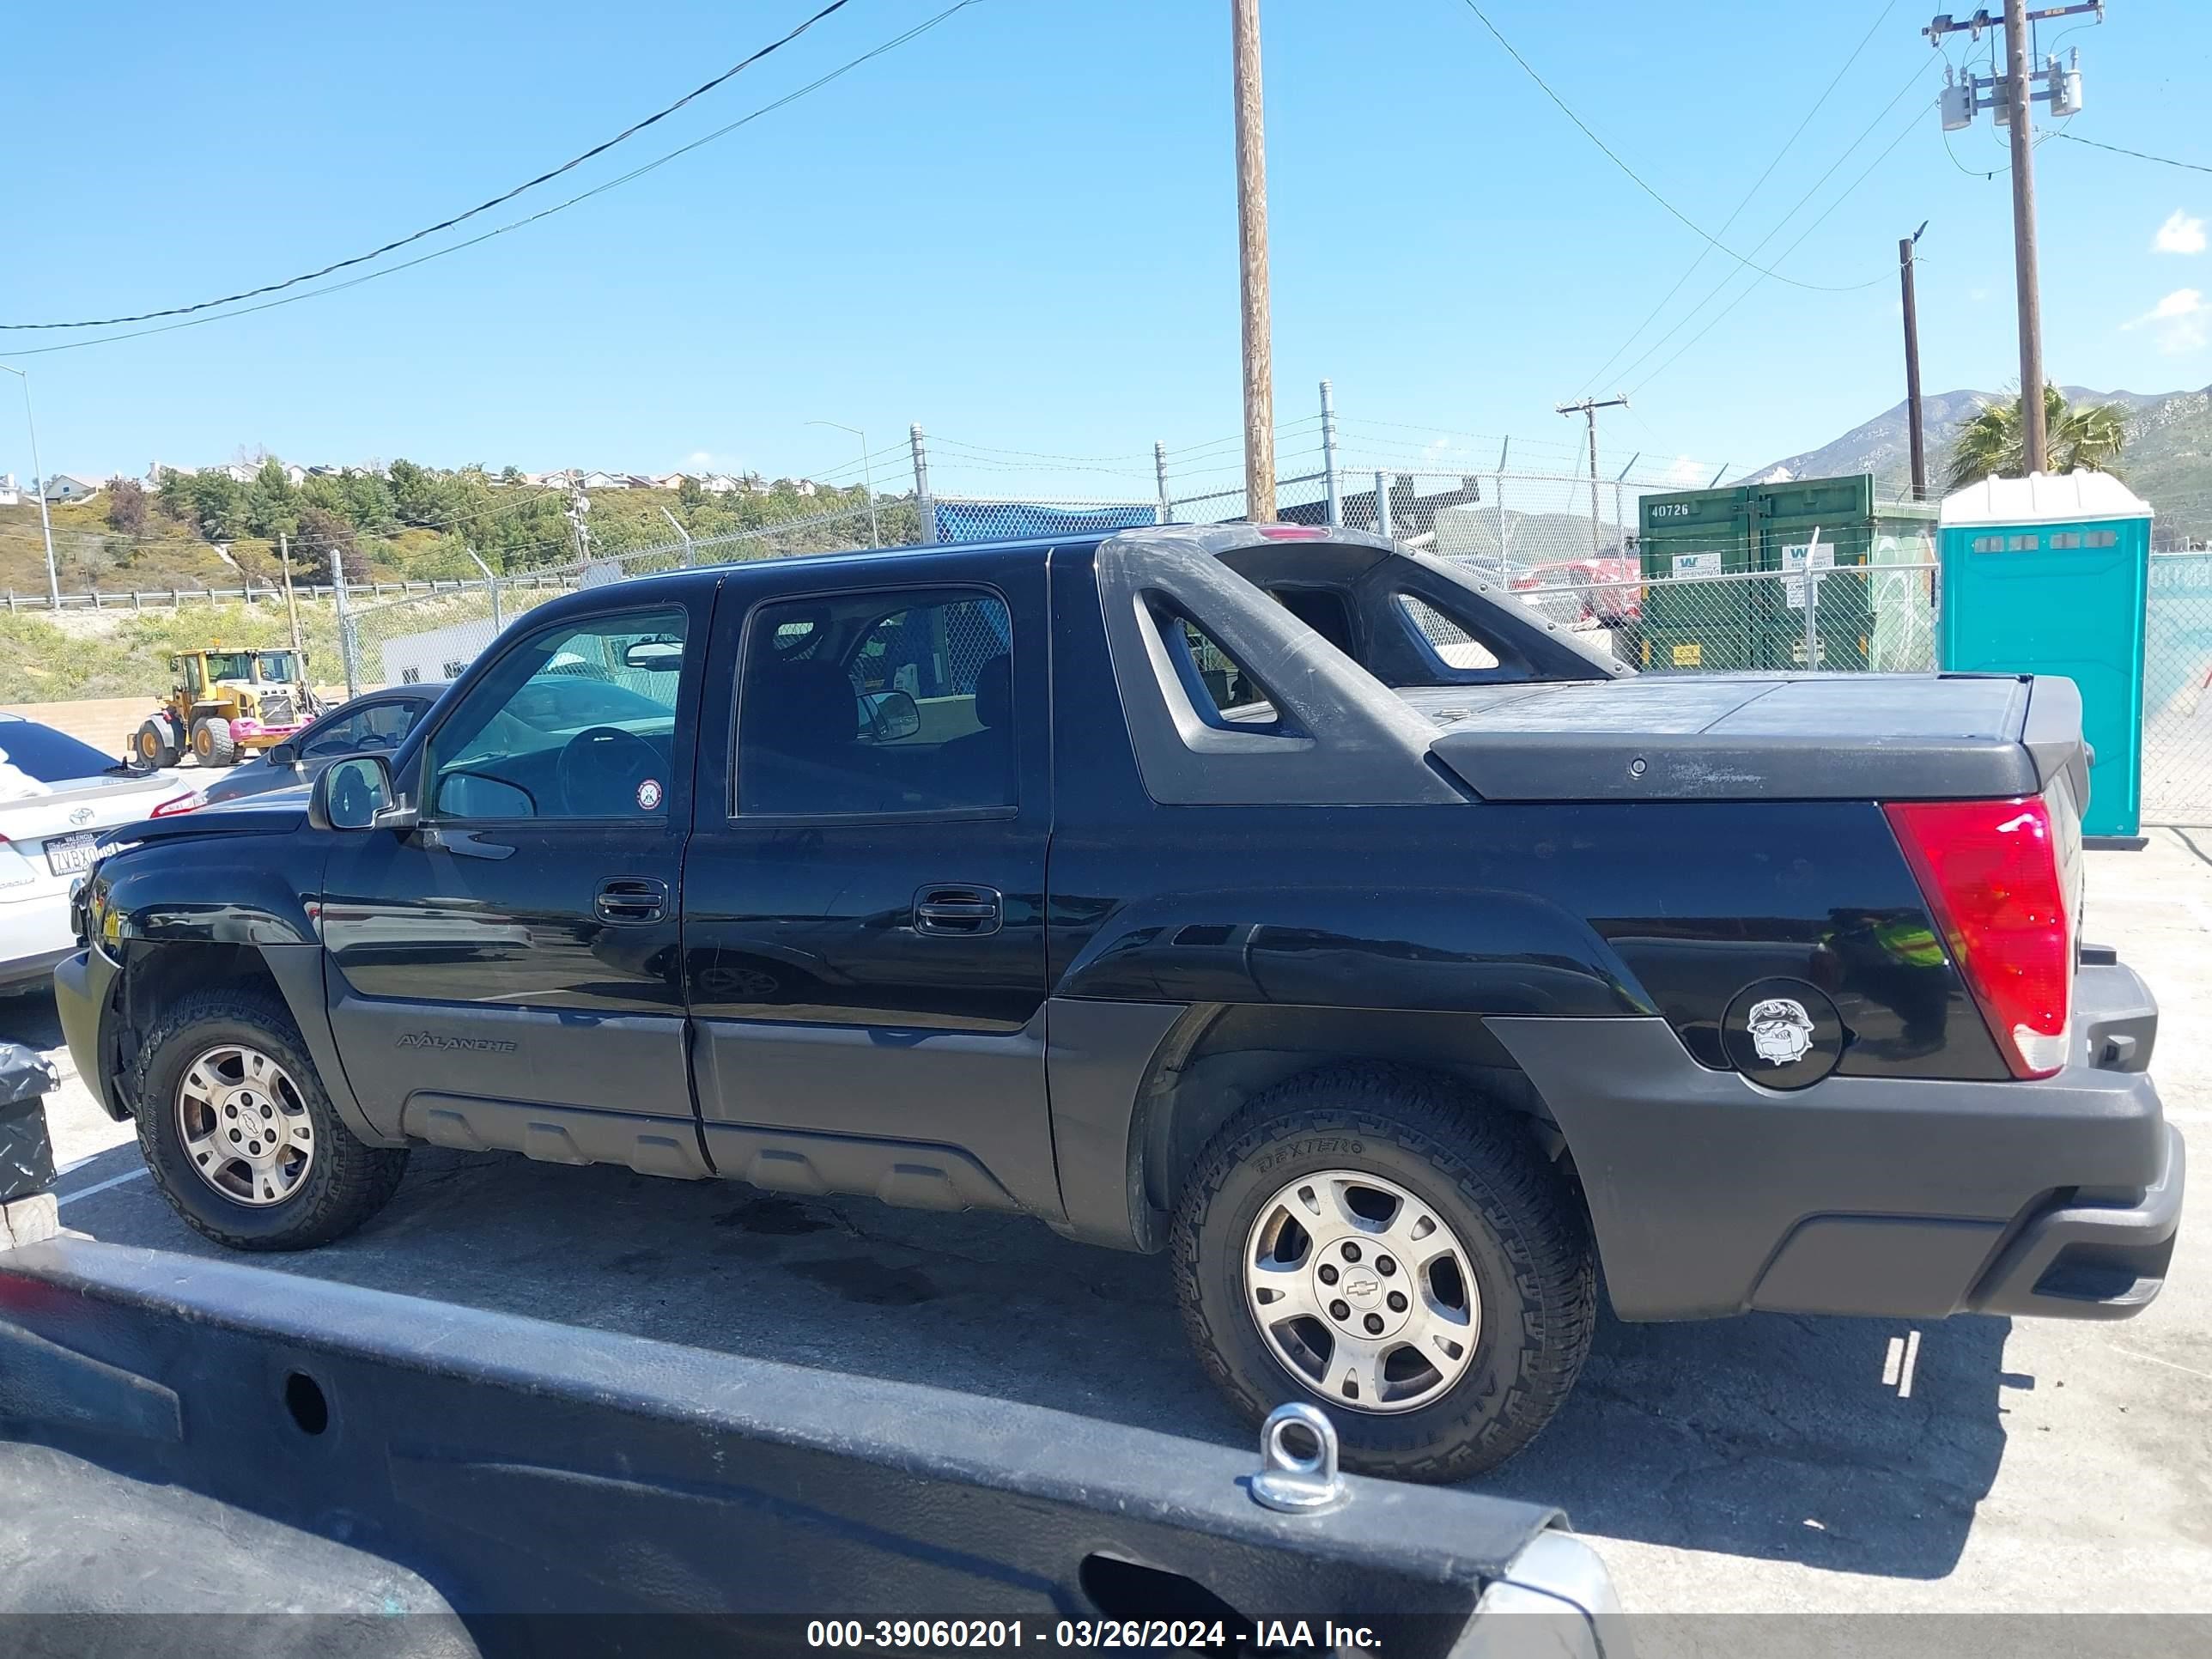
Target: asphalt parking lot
1762 1464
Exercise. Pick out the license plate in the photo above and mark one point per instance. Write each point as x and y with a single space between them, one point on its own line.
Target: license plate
70 855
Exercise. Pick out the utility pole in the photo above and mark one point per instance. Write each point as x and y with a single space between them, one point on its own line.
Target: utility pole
2014 93
1252 248
1587 409
925 499
39 484
2036 439
1912 420
291 602
580 504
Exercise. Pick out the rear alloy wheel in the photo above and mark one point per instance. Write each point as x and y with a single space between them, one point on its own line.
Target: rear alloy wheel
1360 1290
212 744
1381 1241
154 745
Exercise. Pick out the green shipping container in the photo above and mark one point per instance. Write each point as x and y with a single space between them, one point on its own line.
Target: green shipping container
1860 622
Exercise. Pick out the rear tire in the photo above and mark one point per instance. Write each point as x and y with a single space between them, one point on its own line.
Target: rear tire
156 744
343 1181
1504 1214
212 744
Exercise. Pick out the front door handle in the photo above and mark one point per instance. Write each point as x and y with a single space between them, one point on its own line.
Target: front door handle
956 911
631 901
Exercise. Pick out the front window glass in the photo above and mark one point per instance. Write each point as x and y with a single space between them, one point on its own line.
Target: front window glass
278 668
578 721
230 664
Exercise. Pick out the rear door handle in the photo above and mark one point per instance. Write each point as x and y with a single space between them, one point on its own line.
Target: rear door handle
952 911
631 901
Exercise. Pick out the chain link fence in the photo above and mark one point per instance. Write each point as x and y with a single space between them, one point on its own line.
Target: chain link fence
1860 618
2177 770
427 637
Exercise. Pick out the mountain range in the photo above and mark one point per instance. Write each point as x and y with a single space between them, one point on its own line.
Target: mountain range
2167 461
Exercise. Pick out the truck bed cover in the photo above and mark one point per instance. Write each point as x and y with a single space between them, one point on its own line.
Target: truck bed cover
1802 737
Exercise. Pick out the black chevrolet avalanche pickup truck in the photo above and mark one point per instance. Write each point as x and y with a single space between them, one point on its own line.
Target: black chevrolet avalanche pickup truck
1283 899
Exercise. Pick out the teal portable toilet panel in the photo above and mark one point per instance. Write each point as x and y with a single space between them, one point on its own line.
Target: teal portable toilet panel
2048 574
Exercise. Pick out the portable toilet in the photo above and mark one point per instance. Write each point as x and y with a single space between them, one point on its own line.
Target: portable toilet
2048 574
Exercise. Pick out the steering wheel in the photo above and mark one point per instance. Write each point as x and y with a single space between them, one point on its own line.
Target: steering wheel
608 772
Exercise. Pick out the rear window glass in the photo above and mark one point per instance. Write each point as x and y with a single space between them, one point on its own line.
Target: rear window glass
1234 695
46 756
1457 647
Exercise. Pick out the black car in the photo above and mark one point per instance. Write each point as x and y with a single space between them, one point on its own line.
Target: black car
1293 902
374 723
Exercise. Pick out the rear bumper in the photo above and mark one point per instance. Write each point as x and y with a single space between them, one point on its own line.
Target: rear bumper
1711 1196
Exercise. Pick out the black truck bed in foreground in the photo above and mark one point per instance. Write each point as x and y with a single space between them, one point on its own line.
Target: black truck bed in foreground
167 1423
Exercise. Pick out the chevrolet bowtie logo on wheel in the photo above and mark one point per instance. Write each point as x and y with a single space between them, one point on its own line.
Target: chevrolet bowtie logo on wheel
473 1045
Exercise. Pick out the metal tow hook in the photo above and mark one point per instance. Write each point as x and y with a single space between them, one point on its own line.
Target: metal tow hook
1288 1481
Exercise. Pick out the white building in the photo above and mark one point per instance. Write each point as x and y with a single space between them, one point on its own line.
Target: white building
438 653
70 486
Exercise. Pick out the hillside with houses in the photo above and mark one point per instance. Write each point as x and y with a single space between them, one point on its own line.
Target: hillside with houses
224 525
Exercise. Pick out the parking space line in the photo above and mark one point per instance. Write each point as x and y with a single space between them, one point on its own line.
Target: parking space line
67 1198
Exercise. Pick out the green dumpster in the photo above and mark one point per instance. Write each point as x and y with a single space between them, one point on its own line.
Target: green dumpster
1793 528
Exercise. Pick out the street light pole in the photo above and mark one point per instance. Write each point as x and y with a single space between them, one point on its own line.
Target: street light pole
39 484
867 476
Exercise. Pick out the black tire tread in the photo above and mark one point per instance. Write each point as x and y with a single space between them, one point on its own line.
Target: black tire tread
356 1179
1497 1168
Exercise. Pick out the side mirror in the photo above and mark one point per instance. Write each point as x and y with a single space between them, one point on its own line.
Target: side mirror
284 754
355 794
892 715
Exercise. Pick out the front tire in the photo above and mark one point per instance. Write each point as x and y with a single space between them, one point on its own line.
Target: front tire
212 743
240 1135
1372 1240
155 744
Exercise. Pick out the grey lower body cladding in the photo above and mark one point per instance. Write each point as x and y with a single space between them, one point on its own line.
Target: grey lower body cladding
1709 1195
500 1465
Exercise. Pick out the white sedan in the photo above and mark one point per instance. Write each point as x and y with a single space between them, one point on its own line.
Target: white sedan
58 797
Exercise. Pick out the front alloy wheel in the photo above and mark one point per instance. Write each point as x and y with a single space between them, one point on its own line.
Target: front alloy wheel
244 1126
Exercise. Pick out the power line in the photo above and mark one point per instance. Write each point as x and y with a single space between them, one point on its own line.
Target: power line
1637 179
1841 198
1811 191
447 224
2140 156
639 171
1704 252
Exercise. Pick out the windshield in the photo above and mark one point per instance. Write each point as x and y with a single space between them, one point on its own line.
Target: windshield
46 756
230 664
278 668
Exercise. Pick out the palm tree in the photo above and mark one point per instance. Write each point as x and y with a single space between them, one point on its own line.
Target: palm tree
2083 437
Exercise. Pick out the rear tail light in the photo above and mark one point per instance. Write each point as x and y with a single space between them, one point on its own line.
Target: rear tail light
1991 872
176 804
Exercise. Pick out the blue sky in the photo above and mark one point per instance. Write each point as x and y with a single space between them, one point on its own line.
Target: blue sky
1019 231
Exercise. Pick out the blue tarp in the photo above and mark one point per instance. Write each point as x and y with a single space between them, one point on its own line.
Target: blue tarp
984 521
